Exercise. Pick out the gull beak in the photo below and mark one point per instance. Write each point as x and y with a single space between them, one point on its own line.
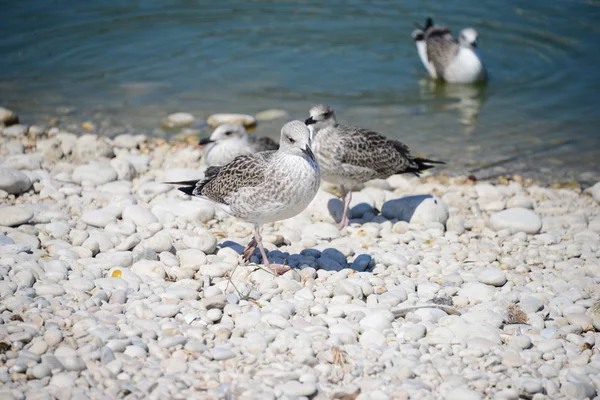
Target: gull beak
204 141
309 121
474 44
309 152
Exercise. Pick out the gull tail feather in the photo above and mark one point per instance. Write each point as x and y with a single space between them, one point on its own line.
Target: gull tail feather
194 187
188 187
420 165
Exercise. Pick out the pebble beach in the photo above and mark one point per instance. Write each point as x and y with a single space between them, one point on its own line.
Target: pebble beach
114 284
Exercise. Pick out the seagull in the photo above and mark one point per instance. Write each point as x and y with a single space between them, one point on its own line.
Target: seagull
348 155
264 187
231 140
446 58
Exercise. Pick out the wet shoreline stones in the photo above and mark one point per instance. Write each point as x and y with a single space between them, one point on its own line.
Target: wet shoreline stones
114 282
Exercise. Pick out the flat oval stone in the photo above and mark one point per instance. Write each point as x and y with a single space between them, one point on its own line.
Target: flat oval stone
219 119
517 220
13 181
15 215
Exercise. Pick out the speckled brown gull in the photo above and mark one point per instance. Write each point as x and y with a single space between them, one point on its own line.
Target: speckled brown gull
447 58
348 155
231 140
264 187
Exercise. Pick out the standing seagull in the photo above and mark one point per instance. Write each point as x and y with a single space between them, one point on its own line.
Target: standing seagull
264 187
348 155
231 140
446 58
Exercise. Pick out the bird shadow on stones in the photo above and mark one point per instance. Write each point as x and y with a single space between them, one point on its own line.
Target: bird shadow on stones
329 259
402 209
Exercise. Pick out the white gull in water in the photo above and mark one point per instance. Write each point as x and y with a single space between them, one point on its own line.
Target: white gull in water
264 187
446 58
231 140
348 155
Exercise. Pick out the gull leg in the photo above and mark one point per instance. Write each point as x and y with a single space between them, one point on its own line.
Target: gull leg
249 250
276 269
341 224
346 198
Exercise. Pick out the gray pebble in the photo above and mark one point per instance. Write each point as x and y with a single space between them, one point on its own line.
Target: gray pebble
172 341
220 354
39 371
13 181
296 389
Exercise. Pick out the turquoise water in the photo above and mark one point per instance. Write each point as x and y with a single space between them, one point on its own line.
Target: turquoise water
131 63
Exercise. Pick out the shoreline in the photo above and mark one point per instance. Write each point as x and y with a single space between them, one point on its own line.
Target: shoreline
114 284
529 164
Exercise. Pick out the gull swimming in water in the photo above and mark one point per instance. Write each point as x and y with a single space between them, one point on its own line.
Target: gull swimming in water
264 187
348 155
446 58
231 140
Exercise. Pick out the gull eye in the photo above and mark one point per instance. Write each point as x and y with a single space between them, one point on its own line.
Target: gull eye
292 141
228 133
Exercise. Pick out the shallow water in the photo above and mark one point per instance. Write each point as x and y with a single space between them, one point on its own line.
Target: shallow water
131 63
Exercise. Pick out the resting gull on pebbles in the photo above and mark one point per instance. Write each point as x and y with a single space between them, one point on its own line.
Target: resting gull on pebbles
348 155
446 58
264 187
231 140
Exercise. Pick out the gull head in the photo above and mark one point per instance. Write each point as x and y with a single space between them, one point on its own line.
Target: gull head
225 132
321 116
295 140
468 37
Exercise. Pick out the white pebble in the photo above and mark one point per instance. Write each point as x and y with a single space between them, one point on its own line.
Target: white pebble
148 268
167 310
99 218
63 380
463 393
517 220
214 314
372 337
418 209
220 354
492 277
140 216
297 389
191 258
97 172
378 320
15 215
49 289
204 242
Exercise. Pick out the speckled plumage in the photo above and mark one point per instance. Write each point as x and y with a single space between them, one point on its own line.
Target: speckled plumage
447 58
263 187
267 186
231 140
441 48
349 155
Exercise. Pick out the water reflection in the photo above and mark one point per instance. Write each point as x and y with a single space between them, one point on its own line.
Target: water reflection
466 100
